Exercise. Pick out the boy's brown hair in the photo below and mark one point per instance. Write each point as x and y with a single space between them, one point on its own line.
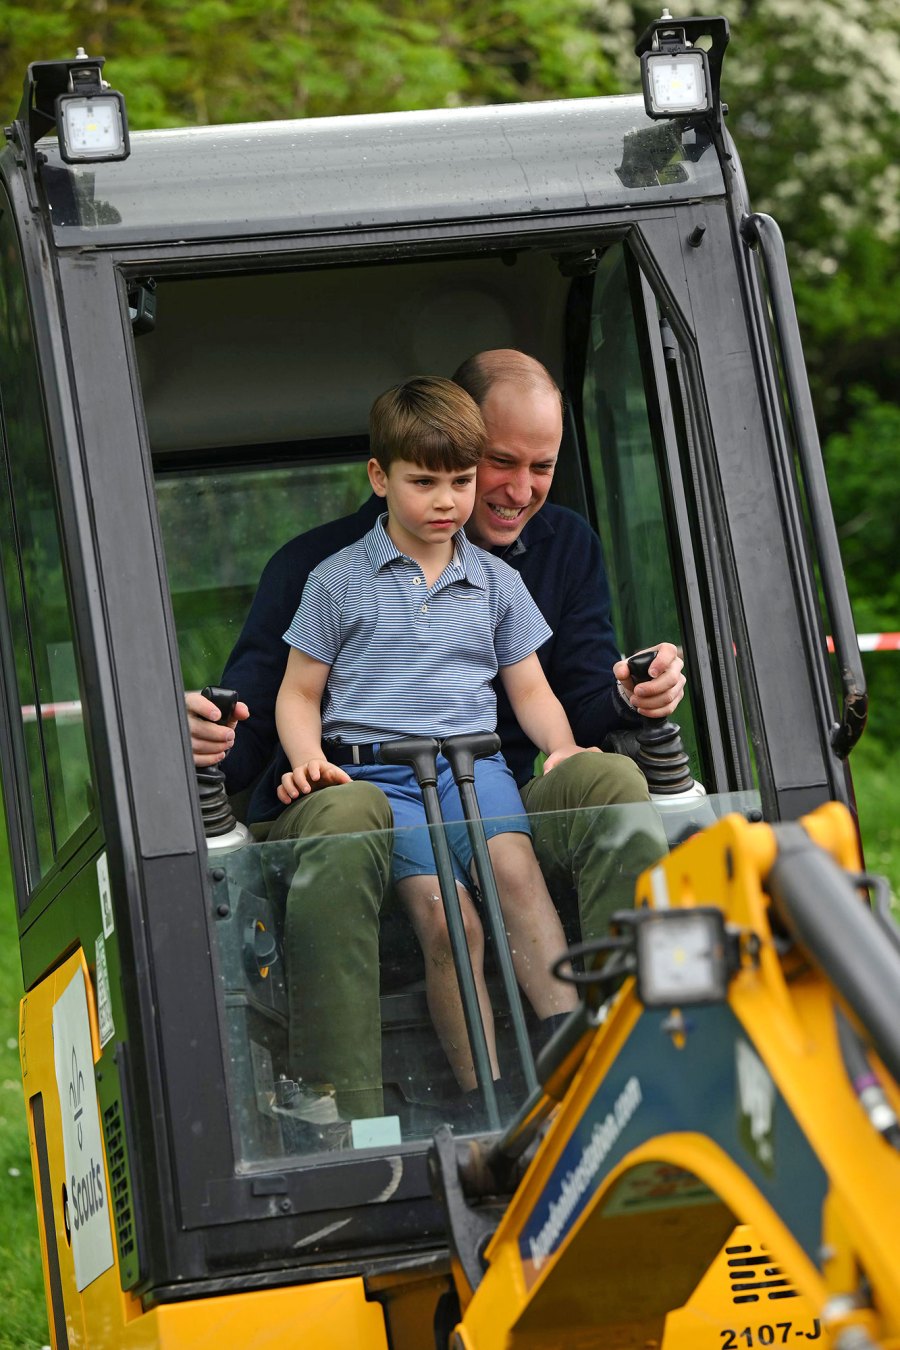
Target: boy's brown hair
429 421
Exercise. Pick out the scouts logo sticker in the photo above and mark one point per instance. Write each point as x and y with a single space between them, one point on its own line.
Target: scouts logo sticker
756 1102
76 1092
87 1202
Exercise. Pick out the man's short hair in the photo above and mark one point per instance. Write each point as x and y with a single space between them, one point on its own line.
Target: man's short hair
429 421
504 365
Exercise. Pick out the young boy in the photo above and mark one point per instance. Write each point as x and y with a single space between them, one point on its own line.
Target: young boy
401 634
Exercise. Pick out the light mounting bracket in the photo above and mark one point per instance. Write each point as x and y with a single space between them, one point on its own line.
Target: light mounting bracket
72 97
681 78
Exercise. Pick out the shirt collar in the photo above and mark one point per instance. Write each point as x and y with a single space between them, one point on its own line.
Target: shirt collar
467 560
379 544
533 531
382 550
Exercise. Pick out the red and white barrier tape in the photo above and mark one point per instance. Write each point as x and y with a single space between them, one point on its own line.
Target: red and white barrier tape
874 642
60 711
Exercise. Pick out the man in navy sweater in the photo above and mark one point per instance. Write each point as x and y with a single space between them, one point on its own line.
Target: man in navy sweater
334 902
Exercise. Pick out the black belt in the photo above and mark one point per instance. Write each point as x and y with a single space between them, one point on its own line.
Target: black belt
336 752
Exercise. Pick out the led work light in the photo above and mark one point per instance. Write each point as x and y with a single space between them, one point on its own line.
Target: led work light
676 84
682 957
675 74
681 68
90 117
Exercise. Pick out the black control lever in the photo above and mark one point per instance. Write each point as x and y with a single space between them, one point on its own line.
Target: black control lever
224 699
639 665
661 754
461 752
218 818
420 753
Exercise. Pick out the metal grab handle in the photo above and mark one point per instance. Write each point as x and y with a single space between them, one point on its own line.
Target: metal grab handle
820 906
762 230
461 752
420 754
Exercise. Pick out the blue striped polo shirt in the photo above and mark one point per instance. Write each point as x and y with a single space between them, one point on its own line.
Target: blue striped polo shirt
407 659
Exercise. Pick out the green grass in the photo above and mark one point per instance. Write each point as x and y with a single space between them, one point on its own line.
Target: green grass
24 1322
878 799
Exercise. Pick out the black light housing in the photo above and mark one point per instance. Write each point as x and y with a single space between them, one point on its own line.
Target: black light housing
73 97
682 956
90 117
680 78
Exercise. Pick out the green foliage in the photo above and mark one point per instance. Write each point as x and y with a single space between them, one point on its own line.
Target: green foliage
861 463
24 1324
251 60
814 107
815 111
878 799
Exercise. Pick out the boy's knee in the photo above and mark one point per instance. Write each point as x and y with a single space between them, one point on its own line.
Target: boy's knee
512 856
437 937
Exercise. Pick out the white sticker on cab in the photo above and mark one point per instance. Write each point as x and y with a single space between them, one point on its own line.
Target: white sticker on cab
86 1193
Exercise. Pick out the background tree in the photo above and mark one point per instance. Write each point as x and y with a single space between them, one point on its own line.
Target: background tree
814 92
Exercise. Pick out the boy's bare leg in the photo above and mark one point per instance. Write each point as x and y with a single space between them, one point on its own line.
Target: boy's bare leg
421 898
536 936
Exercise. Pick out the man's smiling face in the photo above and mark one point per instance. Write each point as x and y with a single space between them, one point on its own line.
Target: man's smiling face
524 428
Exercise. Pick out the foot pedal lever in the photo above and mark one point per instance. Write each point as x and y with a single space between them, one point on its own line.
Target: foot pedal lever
461 753
420 754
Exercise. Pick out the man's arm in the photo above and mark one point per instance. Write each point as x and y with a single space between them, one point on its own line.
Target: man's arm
538 711
583 660
256 666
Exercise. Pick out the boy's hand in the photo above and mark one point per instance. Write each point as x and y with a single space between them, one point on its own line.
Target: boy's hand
305 778
211 738
565 751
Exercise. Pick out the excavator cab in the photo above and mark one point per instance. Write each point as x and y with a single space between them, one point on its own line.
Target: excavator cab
193 326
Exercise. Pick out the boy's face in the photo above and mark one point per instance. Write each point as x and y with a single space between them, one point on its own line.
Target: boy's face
425 506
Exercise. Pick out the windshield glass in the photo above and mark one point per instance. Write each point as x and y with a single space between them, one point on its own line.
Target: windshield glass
330 1022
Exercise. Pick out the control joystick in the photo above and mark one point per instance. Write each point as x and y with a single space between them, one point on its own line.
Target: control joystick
219 825
661 753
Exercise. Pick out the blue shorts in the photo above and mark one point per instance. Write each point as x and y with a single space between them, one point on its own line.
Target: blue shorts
498 799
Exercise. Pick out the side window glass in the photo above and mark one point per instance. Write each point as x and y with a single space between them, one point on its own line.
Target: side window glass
625 480
41 631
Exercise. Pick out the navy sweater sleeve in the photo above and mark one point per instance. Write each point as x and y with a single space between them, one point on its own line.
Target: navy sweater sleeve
256 666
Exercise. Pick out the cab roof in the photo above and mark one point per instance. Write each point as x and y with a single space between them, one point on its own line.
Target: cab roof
379 170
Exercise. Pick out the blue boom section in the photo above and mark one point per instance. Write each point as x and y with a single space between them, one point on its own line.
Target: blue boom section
716 1086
